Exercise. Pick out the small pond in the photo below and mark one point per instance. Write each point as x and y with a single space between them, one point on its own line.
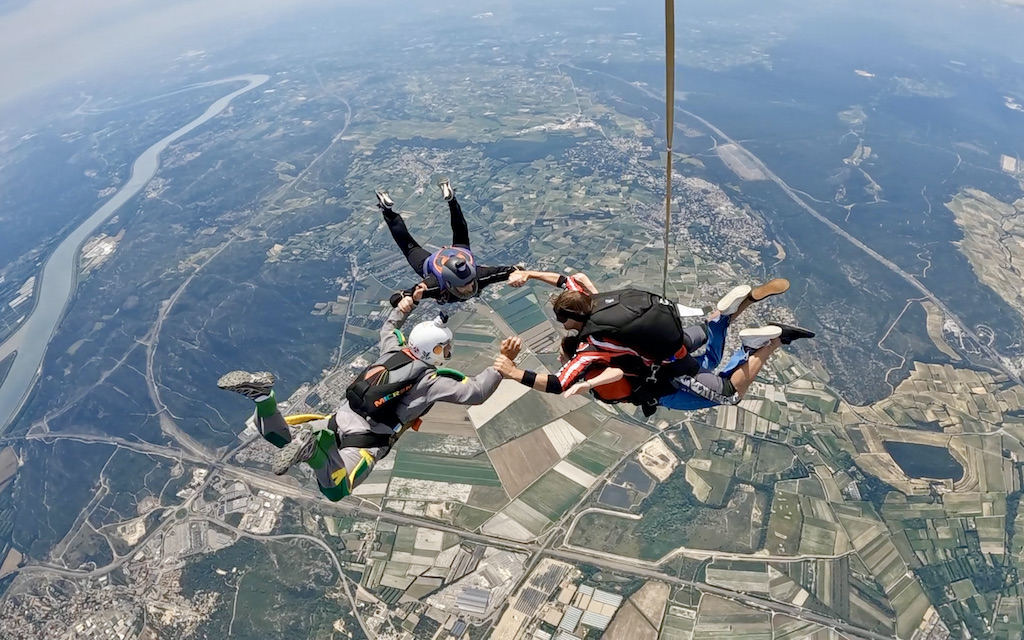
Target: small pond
925 461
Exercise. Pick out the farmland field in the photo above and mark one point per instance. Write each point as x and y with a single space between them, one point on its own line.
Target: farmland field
520 462
594 457
476 471
553 494
521 417
587 419
784 525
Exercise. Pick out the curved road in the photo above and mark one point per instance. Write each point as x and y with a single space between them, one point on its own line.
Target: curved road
59 275
789 191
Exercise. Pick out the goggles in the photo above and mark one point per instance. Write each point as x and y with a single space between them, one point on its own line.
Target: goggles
446 350
564 315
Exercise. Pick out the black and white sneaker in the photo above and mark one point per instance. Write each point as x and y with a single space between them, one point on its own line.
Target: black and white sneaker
446 189
300 449
791 333
757 337
255 386
384 201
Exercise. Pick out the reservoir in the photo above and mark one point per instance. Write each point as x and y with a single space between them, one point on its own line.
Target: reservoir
925 461
59 276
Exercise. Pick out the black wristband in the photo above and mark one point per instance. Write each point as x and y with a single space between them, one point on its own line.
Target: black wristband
529 377
561 282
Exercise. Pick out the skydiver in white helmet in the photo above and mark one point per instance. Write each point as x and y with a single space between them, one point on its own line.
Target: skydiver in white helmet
450 273
386 398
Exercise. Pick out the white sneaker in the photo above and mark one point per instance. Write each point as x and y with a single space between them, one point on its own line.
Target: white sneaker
384 201
730 303
757 337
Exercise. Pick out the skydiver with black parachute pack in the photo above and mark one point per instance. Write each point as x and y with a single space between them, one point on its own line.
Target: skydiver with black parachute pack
450 273
613 373
635 346
386 398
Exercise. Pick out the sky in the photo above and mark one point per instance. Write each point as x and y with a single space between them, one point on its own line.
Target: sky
43 41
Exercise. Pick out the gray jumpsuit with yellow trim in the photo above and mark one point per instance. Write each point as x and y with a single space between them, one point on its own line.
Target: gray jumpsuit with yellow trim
340 470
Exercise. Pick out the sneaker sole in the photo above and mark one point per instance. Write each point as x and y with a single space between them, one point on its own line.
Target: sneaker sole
770 331
236 380
759 336
446 189
770 288
730 302
381 203
289 455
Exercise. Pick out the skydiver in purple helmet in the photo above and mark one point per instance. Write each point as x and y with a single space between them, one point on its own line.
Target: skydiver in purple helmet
449 274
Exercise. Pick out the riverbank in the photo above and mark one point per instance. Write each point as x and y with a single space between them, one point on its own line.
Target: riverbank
58 278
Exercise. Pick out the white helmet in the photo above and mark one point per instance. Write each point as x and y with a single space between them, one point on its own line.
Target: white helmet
431 342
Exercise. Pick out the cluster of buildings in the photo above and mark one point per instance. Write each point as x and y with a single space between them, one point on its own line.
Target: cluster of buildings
98 250
110 624
98 609
553 604
23 294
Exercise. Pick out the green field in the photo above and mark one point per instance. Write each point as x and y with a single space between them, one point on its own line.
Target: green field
784 525
469 518
587 418
821 402
519 418
520 310
593 457
672 517
474 337
616 434
552 495
419 466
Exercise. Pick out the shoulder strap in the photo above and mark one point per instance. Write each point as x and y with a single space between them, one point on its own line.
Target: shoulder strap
450 373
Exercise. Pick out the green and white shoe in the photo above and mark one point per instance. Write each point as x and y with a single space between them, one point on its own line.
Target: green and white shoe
300 449
255 386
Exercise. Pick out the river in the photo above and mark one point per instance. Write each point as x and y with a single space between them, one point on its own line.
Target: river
59 276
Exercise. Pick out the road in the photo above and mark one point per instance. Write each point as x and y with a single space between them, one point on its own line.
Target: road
887 263
281 485
789 191
743 598
58 277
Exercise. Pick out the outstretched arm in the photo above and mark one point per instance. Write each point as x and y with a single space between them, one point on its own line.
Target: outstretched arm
575 282
607 376
490 275
471 390
389 332
540 381
431 289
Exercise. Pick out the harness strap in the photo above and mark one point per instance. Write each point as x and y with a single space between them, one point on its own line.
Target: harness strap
361 440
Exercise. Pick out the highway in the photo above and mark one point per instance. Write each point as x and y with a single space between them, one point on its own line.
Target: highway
789 191
736 596
287 487
887 263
